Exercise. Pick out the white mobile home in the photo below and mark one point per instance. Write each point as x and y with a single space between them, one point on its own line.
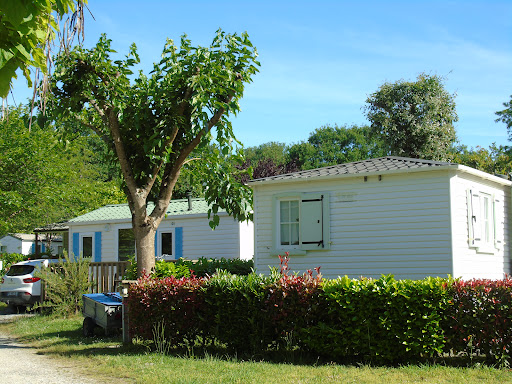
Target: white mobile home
407 217
25 243
105 234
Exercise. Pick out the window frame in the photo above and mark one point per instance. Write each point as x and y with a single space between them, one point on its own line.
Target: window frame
301 248
124 227
81 245
485 221
159 244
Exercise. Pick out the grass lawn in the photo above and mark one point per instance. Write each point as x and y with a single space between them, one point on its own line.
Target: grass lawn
110 361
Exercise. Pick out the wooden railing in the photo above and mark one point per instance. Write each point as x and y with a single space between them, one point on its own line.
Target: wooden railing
106 275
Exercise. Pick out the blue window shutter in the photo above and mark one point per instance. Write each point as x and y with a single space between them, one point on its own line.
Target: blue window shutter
178 242
76 245
43 248
156 243
97 247
33 248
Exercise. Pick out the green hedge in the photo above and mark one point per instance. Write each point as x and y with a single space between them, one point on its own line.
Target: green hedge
370 320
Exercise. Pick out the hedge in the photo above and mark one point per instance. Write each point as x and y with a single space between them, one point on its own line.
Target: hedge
371 320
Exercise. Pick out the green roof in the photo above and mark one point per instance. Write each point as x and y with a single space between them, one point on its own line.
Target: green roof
122 211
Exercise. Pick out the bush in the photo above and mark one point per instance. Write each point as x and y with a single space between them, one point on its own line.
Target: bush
207 267
64 285
9 259
368 320
480 318
170 303
382 320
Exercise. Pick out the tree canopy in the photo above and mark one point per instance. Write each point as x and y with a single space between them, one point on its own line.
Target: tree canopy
505 116
414 119
329 145
27 29
44 181
157 123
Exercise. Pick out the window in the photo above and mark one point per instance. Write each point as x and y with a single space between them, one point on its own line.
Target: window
302 222
289 222
87 246
125 244
166 247
60 250
3 249
485 221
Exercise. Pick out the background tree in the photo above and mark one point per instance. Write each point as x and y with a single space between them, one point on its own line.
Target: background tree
414 119
271 150
494 160
335 145
156 124
43 181
505 116
27 30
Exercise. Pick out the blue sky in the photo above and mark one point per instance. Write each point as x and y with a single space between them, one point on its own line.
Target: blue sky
320 60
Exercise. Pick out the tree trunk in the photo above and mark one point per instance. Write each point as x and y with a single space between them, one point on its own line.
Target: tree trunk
145 244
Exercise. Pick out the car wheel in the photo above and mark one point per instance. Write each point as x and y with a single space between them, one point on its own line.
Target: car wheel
88 327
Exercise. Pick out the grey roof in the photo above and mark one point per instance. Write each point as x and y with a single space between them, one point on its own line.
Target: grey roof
53 227
381 164
32 237
122 211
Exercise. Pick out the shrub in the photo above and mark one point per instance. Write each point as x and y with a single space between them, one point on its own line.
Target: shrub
9 259
382 320
64 285
207 267
172 303
235 311
480 318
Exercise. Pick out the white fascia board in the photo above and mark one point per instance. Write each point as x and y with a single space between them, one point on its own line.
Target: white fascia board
450 167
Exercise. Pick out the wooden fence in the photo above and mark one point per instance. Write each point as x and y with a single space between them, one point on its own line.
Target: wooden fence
106 276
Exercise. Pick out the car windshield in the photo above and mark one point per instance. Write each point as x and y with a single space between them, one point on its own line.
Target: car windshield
19 270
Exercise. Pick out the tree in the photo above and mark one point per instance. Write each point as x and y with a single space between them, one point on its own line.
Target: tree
414 119
494 160
505 116
271 150
335 145
158 123
42 181
27 29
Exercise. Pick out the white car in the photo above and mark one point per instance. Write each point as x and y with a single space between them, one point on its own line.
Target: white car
20 288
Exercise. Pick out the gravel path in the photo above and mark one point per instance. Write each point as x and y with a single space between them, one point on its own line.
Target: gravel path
20 363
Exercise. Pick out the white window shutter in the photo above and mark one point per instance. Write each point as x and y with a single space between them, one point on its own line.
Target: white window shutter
312 222
499 223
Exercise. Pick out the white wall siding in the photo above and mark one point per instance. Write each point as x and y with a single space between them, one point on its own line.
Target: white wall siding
468 262
15 245
399 225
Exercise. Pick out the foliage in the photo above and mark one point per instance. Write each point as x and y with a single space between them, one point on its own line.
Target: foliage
234 313
414 119
505 116
27 29
43 181
480 317
382 320
64 285
335 145
162 269
494 160
271 150
158 123
171 303
204 267
9 259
